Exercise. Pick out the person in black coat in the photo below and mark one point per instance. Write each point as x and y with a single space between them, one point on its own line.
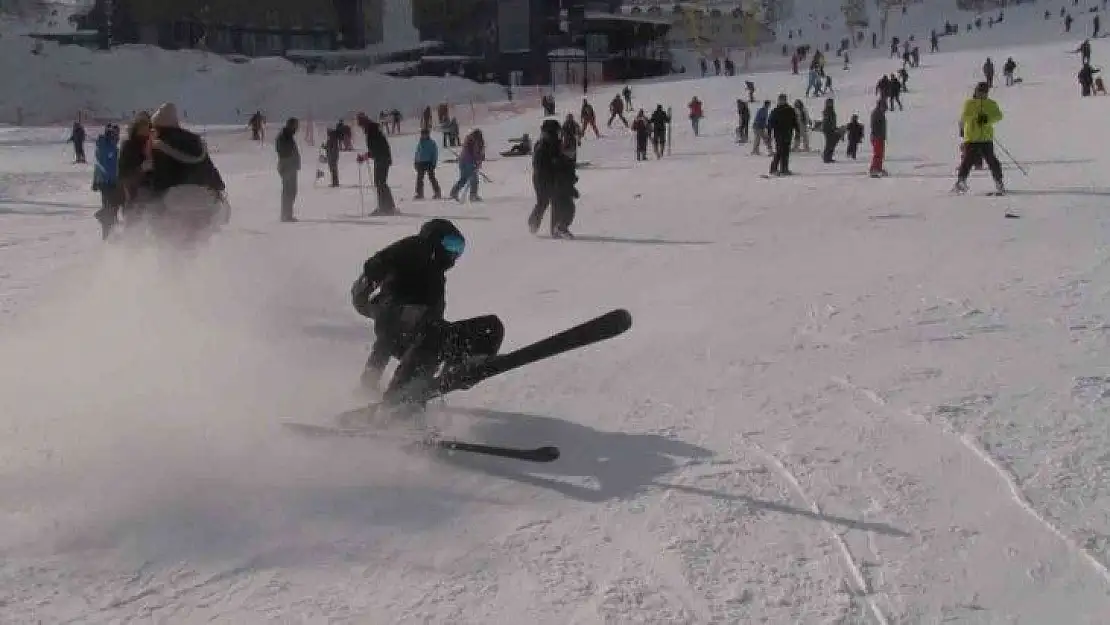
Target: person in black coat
855 136
179 162
402 288
659 121
745 116
553 177
289 167
377 149
830 130
782 123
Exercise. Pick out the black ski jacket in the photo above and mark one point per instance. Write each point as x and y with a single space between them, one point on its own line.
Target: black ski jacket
552 170
659 120
377 145
408 272
181 157
783 122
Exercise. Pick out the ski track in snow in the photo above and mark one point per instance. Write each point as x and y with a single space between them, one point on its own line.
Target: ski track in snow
1019 498
862 587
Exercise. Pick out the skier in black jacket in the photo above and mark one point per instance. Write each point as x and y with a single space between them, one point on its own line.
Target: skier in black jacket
403 289
377 149
782 123
659 121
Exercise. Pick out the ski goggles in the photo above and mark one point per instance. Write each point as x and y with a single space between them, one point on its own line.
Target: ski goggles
454 244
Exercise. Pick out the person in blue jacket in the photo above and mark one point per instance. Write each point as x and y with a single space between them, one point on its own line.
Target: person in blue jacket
106 179
427 155
760 127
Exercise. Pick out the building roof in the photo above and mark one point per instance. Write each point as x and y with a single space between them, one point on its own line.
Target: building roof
601 16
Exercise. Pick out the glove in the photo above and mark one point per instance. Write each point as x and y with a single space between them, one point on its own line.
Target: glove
982 119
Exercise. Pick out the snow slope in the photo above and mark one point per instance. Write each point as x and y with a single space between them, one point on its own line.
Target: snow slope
53 86
843 400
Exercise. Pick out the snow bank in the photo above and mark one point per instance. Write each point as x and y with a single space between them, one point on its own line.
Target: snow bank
52 86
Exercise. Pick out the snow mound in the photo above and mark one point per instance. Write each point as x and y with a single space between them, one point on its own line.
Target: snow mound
51 86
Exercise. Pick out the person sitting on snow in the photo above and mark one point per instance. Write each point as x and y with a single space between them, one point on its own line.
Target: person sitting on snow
521 146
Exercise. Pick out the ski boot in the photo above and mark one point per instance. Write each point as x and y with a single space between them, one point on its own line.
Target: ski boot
960 187
469 363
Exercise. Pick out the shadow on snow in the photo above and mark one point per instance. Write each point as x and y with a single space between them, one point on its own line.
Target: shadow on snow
621 464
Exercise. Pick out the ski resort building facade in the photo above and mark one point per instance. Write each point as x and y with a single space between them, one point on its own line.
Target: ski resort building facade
536 41
246 27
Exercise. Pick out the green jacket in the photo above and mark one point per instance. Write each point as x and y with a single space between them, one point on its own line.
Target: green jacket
974 131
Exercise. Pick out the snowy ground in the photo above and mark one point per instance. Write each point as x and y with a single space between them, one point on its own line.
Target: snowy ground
843 400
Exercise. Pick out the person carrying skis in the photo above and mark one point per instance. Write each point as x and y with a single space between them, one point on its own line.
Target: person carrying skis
660 121
980 114
402 288
782 123
106 179
643 132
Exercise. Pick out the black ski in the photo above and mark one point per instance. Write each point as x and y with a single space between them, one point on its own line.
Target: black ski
538 454
607 326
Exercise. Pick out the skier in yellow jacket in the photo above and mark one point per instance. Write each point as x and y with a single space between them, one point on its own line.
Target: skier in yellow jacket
979 116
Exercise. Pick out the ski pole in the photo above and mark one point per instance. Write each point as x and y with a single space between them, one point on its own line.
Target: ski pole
361 196
1012 159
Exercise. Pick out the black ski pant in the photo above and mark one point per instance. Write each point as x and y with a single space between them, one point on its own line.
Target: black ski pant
447 343
780 162
641 148
288 194
831 139
659 142
333 169
381 184
562 211
979 150
543 200
426 169
853 149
